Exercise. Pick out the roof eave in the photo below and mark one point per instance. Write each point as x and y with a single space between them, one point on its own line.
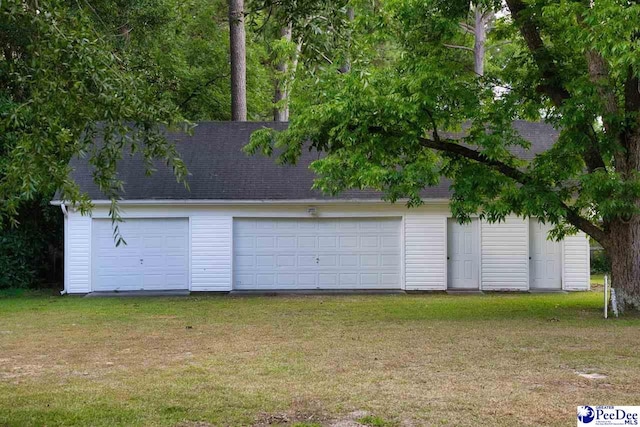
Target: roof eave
218 202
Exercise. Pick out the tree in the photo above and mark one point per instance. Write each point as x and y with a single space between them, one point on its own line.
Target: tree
482 18
575 65
63 85
182 49
71 70
237 53
286 65
111 65
346 66
313 33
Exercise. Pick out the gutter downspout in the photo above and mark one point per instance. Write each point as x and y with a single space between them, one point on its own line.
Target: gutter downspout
66 215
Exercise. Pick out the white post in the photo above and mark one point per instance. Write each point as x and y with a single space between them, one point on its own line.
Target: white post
606 299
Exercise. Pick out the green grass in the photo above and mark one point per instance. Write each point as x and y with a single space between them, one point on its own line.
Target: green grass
373 421
597 279
312 360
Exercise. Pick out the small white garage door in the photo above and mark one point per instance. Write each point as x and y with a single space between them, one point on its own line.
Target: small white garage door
155 257
317 253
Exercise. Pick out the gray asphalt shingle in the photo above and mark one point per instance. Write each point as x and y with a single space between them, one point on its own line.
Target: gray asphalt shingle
221 171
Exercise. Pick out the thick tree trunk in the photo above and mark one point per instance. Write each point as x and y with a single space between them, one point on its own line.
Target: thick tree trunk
237 53
281 93
623 248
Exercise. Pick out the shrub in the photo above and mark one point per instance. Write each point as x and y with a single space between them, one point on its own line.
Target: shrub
600 263
30 252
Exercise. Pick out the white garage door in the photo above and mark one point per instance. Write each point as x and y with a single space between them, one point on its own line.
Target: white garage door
317 253
156 256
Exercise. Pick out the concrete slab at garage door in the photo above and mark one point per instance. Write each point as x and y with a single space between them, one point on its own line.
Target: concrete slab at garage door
342 253
156 256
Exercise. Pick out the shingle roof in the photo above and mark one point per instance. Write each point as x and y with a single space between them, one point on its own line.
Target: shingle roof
219 170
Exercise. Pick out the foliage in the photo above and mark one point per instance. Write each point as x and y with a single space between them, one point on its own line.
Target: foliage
15 249
386 125
120 71
31 253
600 262
132 67
182 49
54 50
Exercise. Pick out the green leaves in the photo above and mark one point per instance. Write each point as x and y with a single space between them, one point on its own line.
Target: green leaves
63 86
121 72
409 90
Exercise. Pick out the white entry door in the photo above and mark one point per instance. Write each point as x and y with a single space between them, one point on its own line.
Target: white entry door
155 257
546 258
463 254
342 253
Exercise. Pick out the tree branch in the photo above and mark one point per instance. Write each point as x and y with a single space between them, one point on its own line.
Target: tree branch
198 88
631 91
497 45
466 27
552 85
599 76
468 153
488 15
572 216
455 46
548 69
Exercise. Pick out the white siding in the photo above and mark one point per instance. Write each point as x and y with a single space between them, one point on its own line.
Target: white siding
504 246
211 253
78 253
505 255
576 274
425 252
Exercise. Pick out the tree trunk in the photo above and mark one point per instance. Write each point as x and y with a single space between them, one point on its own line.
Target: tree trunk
623 248
480 33
346 67
237 53
281 110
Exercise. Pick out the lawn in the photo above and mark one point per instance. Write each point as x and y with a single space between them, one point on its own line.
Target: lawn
386 360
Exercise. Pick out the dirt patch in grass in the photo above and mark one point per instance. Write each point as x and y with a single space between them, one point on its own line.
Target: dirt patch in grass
307 361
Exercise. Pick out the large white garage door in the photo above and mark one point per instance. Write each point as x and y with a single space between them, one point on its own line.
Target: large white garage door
156 256
316 253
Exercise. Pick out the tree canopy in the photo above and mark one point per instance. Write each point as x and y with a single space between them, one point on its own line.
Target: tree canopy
572 64
118 70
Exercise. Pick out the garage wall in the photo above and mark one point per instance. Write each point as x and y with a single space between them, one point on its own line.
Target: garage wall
211 254
425 252
504 246
77 259
505 255
576 275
